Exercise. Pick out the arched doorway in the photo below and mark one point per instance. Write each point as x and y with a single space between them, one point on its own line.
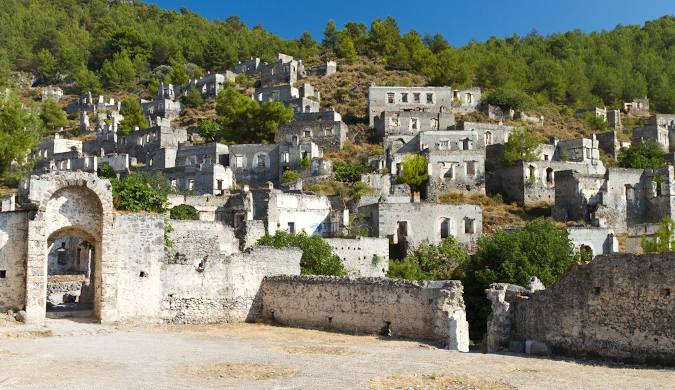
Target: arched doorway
71 273
71 207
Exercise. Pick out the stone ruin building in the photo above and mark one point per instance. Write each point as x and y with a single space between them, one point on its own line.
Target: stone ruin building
661 128
64 251
533 183
636 107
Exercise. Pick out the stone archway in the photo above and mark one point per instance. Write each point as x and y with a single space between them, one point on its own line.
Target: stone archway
79 203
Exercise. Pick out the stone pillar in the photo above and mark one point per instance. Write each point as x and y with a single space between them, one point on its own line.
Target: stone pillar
36 271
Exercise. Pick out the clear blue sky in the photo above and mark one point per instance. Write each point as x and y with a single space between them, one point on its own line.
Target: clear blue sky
458 20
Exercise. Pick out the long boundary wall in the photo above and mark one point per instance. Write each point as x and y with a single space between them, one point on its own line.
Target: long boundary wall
431 311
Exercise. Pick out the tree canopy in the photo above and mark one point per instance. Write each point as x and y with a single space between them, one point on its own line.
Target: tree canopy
121 42
20 130
414 172
133 115
642 155
243 120
521 146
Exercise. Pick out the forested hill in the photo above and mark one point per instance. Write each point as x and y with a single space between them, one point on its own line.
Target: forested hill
117 44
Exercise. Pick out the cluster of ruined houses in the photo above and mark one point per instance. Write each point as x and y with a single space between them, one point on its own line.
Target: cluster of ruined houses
62 221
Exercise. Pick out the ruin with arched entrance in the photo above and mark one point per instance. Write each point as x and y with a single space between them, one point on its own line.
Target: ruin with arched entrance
65 247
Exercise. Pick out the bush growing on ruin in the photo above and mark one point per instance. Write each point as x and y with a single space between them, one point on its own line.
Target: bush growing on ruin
193 98
643 155
540 248
243 120
290 176
141 192
184 212
349 173
317 255
414 172
133 115
208 130
105 171
430 262
664 239
521 146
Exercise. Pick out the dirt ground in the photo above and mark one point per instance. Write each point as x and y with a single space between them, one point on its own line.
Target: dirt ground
70 354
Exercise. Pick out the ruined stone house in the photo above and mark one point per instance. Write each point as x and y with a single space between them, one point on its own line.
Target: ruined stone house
304 99
660 128
325 128
533 183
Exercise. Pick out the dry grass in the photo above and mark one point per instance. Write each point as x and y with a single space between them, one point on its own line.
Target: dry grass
353 153
246 371
435 382
192 117
496 215
315 350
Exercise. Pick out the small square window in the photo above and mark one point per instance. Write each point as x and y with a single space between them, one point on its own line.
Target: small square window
3 274
404 98
390 98
430 98
416 97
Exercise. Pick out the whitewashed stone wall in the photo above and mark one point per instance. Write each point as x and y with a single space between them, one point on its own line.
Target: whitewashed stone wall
222 288
13 252
362 256
139 242
418 310
197 239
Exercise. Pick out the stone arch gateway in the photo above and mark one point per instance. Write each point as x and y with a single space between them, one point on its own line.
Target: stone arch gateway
74 204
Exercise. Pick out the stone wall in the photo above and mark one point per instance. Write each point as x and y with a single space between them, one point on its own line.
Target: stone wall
428 311
197 239
362 256
618 306
13 253
139 244
221 288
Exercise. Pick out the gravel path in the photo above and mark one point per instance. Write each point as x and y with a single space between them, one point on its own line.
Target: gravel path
89 356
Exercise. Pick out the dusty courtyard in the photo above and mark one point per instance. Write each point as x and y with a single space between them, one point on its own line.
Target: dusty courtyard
79 355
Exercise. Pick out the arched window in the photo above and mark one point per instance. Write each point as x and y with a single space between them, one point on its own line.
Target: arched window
446 227
466 144
488 138
531 172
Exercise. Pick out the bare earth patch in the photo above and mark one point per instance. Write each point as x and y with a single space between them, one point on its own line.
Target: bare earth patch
315 350
248 371
434 382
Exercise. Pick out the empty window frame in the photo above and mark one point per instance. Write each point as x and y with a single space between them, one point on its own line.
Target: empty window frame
430 98
404 97
391 97
469 226
416 97
471 168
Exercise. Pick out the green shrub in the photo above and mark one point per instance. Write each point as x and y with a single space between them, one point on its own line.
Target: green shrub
642 155
141 192
184 212
540 248
414 172
430 262
290 176
349 173
317 255
105 171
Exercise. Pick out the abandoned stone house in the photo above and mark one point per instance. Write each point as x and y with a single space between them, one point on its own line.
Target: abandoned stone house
533 183
454 161
87 103
425 99
52 93
249 67
211 84
164 105
609 116
394 123
285 70
409 224
486 133
619 199
660 128
325 128
636 107
610 143
303 99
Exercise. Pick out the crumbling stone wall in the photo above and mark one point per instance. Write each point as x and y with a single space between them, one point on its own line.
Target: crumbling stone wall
419 310
362 256
618 306
220 288
13 252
